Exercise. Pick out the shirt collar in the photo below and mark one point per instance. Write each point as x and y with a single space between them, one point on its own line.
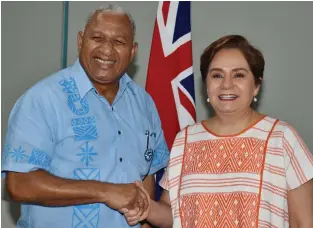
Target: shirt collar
84 85
126 82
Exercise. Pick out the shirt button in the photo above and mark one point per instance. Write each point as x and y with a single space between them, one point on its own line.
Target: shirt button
119 132
121 159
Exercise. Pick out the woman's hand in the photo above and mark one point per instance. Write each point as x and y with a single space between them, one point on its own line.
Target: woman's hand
136 215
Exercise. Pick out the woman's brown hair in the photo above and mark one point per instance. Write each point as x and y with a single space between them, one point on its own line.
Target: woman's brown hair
252 55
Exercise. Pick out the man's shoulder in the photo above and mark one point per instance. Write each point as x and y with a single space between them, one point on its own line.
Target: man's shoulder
140 91
47 88
138 88
50 83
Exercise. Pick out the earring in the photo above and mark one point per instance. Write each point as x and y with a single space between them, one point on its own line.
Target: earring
208 100
255 99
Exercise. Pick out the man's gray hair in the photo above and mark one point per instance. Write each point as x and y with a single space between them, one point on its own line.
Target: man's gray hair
113 8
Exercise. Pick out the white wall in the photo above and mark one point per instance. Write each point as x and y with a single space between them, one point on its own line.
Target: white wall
284 33
282 30
31 49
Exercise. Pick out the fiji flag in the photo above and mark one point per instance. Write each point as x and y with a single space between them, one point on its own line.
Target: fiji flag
170 79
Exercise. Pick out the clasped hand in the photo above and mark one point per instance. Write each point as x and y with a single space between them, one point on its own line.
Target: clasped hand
140 211
132 200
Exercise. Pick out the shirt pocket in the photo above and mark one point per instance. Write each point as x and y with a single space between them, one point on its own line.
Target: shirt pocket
145 147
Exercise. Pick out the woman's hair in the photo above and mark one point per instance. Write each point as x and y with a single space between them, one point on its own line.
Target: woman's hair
252 55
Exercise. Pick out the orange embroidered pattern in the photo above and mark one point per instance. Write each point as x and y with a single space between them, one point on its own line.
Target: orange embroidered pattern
220 156
224 155
219 210
236 181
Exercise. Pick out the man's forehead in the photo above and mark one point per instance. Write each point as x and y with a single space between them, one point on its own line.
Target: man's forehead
109 17
117 22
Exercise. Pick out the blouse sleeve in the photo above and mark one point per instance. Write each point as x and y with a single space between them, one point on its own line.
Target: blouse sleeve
173 171
297 157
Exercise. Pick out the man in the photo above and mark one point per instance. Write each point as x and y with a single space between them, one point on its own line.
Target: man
79 139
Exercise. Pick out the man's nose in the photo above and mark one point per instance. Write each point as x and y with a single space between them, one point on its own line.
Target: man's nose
106 47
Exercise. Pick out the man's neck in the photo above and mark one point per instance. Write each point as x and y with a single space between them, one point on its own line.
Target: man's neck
109 91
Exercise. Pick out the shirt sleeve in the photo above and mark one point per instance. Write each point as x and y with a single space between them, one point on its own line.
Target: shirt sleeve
297 157
28 143
161 152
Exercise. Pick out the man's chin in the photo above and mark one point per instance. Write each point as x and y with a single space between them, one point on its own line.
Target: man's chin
105 79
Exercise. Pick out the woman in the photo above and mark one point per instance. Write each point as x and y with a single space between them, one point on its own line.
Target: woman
239 168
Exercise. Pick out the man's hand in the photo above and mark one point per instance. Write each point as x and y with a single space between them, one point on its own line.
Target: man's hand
136 215
127 196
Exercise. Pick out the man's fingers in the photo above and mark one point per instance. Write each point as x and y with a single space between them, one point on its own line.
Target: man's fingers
142 189
123 210
143 197
138 183
141 203
132 222
144 215
144 200
144 194
132 213
132 216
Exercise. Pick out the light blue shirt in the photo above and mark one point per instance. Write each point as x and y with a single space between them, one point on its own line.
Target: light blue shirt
62 125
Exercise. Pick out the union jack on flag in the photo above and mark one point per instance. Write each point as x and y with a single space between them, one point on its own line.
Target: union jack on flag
170 79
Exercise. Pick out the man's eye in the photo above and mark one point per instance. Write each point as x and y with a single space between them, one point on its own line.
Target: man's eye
96 38
119 42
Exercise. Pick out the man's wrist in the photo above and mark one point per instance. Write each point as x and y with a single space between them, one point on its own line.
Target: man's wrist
104 192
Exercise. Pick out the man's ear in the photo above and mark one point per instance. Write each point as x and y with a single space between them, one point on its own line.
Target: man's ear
80 36
134 51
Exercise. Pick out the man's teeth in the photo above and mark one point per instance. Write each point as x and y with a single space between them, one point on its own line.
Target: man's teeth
108 62
227 97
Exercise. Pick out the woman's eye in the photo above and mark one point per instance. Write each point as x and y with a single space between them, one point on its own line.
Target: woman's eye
217 76
239 75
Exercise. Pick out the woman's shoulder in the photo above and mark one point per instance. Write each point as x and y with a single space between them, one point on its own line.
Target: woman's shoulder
193 128
285 130
281 125
278 124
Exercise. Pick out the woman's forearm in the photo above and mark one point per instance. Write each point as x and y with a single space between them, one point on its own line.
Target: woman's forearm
160 214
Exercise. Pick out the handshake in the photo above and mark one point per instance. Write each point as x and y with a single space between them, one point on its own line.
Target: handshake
140 210
132 200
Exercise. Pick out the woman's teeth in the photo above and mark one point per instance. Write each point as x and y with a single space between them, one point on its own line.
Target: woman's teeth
227 97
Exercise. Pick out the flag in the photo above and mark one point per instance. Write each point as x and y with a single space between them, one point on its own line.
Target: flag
170 79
